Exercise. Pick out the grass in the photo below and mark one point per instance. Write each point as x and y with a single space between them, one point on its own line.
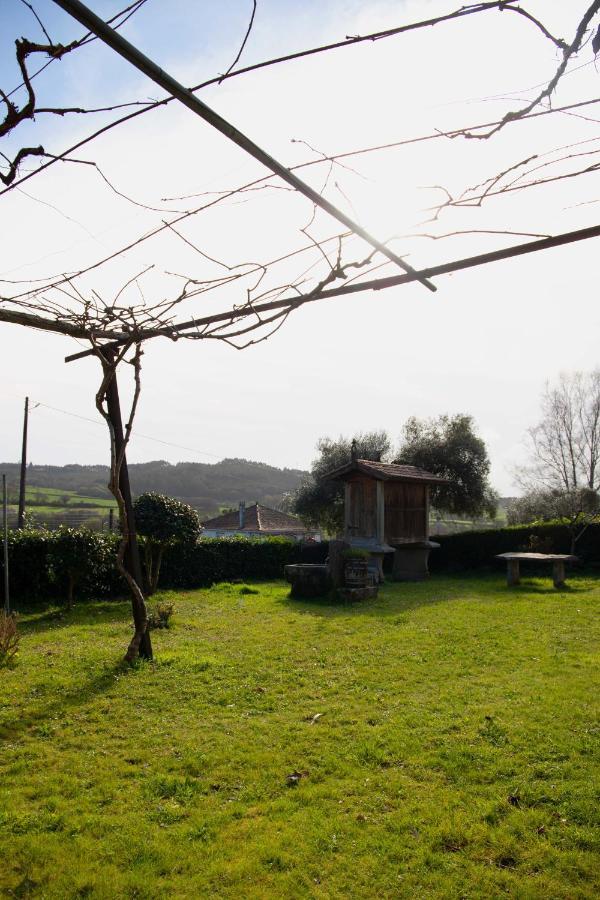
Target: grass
45 499
444 741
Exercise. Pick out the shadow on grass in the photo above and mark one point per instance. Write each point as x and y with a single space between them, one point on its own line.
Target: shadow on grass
72 699
529 586
399 597
33 620
393 598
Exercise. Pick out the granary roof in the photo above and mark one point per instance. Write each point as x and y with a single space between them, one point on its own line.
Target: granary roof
258 518
386 472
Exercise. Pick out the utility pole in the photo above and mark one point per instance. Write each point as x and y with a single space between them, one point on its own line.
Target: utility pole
132 556
21 515
5 543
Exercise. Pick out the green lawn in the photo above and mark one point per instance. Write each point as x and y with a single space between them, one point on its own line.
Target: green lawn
456 753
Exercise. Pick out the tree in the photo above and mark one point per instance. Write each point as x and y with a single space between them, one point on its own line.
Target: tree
116 327
574 508
163 521
321 503
448 446
565 444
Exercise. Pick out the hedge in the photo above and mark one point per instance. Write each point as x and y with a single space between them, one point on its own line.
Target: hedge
37 572
476 549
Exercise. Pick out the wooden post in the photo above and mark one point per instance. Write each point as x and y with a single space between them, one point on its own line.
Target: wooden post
380 512
347 498
558 573
512 572
132 556
21 514
5 544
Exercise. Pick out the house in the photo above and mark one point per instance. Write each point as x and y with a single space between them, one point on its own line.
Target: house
258 521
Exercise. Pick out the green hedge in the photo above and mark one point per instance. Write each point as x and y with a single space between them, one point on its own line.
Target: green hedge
37 558
36 564
38 574
225 559
476 549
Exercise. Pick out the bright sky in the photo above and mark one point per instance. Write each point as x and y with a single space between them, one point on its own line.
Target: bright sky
484 344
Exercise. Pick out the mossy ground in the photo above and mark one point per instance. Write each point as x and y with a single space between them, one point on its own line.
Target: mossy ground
455 750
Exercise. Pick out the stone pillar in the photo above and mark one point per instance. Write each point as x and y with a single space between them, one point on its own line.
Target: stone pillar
558 573
513 576
410 561
337 562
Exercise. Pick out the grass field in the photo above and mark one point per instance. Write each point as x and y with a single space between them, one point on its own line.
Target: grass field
445 741
45 497
56 506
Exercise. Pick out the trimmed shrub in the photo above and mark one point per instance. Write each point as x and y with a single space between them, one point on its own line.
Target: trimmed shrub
228 559
41 563
476 549
163 522
80 558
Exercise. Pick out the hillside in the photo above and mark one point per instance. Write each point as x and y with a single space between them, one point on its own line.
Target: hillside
207 486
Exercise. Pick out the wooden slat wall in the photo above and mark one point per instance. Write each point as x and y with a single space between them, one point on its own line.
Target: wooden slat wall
363 507
405 512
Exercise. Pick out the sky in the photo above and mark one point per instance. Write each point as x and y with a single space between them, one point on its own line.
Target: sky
484 344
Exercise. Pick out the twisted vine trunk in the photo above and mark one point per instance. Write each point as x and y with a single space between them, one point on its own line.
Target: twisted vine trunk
128 558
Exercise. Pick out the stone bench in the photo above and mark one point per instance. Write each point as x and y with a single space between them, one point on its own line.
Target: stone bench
558 561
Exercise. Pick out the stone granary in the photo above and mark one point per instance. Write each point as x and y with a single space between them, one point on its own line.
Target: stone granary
386 510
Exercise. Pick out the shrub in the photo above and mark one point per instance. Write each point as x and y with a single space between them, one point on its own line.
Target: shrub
37 574
40 562
355 553
9 638
74 554
477 549
160 616
163 522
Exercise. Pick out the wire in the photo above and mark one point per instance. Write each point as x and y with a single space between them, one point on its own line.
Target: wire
134 433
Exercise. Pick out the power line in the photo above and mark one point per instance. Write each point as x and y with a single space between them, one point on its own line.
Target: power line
147 437
229 476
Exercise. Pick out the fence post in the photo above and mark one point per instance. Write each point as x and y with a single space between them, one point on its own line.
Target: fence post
5 543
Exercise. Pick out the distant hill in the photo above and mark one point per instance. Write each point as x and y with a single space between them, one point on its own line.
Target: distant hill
206 486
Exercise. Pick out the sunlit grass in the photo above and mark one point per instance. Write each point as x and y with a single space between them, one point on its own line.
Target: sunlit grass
456 752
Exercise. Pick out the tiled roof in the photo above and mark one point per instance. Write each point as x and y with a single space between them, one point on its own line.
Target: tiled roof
387 472
257 518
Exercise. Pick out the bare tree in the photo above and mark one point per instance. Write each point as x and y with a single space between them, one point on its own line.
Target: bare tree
115 329
576 508
565 444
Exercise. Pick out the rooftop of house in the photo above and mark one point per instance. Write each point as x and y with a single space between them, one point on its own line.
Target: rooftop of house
257 518
386 472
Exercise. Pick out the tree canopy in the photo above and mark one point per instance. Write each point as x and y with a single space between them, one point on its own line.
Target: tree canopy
163 521
449 446
321 503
